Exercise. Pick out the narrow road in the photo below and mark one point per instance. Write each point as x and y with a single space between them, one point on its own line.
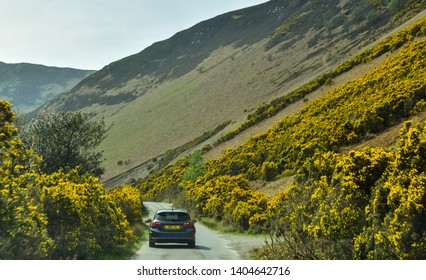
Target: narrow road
210 245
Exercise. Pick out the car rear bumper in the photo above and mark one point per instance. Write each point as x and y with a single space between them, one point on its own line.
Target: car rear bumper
158 236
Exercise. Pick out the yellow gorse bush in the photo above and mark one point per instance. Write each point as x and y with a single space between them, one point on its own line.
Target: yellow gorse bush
370 206
57 216
129 199
23 233
395 226
391 43
84 220
363 204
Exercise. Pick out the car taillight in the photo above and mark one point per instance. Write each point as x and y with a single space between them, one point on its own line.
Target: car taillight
156 224
188 224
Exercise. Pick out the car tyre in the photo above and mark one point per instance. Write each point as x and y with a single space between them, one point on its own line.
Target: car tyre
151 243
191 244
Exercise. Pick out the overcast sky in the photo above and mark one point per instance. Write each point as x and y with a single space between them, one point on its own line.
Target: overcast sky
89 34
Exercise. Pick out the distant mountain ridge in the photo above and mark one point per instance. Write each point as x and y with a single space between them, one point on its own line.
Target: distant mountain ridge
218 72
28 86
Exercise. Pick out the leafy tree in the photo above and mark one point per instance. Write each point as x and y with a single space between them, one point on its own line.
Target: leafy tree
195 167
396 5
68 140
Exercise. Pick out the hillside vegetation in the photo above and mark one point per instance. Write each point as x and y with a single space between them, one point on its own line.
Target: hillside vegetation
362 204
29 86
219 72
336 199
62 215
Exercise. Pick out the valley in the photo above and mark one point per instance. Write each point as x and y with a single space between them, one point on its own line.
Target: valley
29 86
302 120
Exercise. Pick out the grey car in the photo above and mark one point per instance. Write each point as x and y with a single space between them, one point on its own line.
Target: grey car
171 226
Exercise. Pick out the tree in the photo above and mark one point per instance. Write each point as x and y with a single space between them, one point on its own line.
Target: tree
195 166
67 140
396 5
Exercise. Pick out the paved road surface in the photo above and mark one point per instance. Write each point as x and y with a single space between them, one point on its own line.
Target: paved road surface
210 245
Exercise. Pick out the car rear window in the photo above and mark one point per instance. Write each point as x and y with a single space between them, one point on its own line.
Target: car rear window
172 216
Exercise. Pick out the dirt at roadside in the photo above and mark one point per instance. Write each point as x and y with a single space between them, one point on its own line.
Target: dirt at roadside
245 244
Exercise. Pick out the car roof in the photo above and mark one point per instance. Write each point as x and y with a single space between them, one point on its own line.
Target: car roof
172 210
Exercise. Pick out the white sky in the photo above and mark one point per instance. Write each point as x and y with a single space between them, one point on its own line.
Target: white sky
89 34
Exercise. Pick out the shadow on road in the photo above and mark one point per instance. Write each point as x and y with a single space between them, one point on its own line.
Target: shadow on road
180 246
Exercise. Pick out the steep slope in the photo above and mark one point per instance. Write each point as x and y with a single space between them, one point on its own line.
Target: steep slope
28 86
264 124
366 203
217 71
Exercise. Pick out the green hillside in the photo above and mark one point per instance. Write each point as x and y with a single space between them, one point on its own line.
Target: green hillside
29 86
219 72
363 204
